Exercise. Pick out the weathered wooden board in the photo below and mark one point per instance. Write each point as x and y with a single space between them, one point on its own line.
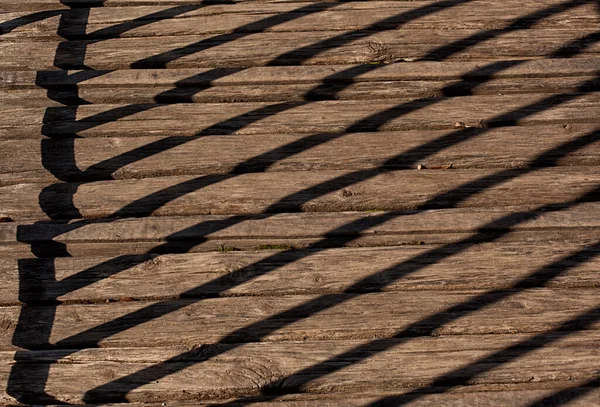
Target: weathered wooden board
277 75
138 157
298 117
296 92
102 23
482 396
316 47
113 13
17 5
138 374
578 224
486 10
268 272
515 252
298 318
323 191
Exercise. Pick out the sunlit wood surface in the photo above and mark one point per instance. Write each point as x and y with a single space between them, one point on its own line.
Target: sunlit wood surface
300 203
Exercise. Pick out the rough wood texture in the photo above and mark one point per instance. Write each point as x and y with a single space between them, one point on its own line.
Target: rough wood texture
299 92
150 21
325 191
214 232
300 117
140 157
315 47
205 372
418 70
302 318
450 267
39 5
202 233
482 396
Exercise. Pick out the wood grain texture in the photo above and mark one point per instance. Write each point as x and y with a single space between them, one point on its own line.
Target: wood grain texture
301 318
150 21
299 203
325 191
40 5
208 233
279 75
323 271
316 47
298 92
205 372
298 117
140 157
519 395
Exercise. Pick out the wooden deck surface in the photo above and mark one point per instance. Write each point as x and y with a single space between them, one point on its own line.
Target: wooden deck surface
290 203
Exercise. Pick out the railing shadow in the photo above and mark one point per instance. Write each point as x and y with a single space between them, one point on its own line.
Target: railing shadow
68 57
66 207
565 396
322 303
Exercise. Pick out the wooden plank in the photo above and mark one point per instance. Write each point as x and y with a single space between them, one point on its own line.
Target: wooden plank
299 117
325 191
279 75
317 47
206 233
299 318
519 395
115 14
111 12
333 115
323 271
33 5
124 22
295 92
98 158
306 367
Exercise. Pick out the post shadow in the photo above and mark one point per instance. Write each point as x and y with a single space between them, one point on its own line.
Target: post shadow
591 139
326 301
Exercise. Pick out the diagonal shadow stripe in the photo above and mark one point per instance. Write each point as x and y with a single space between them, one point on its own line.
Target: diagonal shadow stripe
64 206
593 195
565 396
64 53
151 314
466 374
8 26
482 129
124 385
